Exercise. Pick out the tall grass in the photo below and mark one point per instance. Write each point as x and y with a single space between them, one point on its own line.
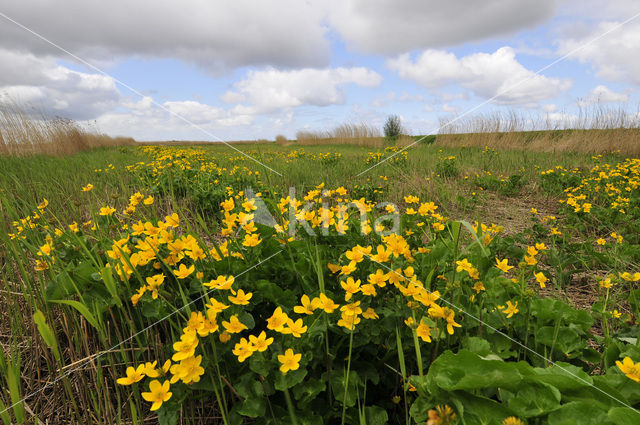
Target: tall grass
24 133
594 129
360 134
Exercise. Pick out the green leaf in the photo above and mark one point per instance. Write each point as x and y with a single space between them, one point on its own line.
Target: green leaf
624 416
567 340
375 415
167 417
289 379
578 413
47 334
469 227
338 383
259 364
253 407
307 391
535 400
82 309
468 371
477 345
563 376
474 409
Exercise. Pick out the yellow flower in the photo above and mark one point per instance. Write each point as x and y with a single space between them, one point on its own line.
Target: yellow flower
107 211
606 283
530 260
228 205
251 240
289 361
601 242
133 375
464 264
424 331
260 342
327 304
308 306
188 370
350 287
224 337
441 415
629 368
512 420
478 287
241 298
511 309
186 347
184 271
43 204
153 283
277 320
221 282
234 325
370 313
378 278
87 188
296 328
172 220
158 393
541 278
449 317
503 265
243 350
635 277
148 200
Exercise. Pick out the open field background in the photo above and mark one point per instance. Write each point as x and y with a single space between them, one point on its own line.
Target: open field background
566 220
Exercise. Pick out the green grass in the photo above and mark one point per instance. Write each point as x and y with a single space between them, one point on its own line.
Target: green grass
43 339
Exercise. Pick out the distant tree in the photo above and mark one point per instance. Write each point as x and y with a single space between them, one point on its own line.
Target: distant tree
392 128
281 140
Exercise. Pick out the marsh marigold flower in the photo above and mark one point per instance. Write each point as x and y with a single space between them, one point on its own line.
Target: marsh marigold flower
629 368
289 361
158 394
133 375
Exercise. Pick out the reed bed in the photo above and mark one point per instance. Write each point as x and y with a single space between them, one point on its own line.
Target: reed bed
23 133
593 130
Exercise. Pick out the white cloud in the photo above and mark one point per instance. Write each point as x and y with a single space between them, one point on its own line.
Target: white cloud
602 94
53 89
172 120
450 108
392 27
394 97
212 35
486 75
271 90
613 56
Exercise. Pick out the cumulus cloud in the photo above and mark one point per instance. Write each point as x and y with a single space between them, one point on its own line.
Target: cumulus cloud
395 97
186 119
603 94
271 89
485 74
392 27
213 35
614 56
54 89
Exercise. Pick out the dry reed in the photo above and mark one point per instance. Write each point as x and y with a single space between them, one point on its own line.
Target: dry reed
23 133
593 130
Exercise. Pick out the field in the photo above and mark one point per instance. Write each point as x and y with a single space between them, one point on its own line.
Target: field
289 284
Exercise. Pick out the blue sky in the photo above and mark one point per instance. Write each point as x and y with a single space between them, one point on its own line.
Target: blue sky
247 70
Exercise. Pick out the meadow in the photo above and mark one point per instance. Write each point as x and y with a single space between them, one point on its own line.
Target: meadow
320 283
